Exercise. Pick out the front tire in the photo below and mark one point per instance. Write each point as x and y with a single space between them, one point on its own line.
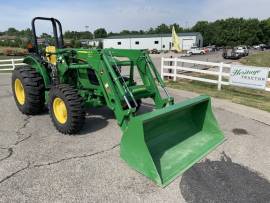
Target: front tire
66 109
28 90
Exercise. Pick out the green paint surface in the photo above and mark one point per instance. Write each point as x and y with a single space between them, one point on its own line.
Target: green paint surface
165 143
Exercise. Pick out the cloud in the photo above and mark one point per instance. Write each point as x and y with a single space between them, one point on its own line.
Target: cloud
213 9
111 14
116 15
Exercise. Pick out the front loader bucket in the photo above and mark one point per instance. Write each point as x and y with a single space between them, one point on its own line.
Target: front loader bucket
164 143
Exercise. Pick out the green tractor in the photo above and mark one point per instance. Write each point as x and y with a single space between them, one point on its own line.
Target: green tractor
161 144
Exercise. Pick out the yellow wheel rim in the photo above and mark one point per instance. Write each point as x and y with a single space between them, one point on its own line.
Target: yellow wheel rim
60 110
19 92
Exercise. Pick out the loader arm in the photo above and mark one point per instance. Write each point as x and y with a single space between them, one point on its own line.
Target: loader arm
122 97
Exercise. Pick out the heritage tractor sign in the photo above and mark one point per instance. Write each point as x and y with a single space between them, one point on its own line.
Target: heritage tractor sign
249 76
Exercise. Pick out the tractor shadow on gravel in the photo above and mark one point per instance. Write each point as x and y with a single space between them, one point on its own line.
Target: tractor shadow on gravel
223 181
97 118
145 108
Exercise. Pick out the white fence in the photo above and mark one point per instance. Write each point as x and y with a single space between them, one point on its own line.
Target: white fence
178 71
10 64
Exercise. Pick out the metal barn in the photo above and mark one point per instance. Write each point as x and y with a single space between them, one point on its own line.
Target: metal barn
153 41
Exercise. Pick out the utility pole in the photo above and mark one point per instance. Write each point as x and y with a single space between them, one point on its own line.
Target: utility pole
186 25
87 29
239 32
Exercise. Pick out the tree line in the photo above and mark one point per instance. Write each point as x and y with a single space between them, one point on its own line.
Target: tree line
225 32
102 33
234 31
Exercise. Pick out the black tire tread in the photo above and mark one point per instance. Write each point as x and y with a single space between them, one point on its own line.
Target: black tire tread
75 105
34 89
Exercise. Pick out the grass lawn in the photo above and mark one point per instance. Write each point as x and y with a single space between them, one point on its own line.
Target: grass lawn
255 98
258 59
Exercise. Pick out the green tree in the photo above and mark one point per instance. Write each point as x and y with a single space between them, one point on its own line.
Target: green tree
45 35
12 31
233 31
18 43
86 35
100 33
77 44
203 28
112 34
177 28
163 28
125 32
151 31
265 28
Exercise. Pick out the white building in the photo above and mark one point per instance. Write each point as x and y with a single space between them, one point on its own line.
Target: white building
92 42
153 41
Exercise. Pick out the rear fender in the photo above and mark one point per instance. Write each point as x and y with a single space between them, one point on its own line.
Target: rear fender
35 63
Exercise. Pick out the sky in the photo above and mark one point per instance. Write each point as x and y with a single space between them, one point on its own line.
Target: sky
116 15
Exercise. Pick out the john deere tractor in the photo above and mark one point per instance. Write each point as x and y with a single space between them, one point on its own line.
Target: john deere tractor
160 144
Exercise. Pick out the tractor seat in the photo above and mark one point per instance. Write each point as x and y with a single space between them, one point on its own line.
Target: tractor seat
51 57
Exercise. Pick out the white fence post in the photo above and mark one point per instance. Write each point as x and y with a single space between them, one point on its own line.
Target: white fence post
220 75
174 69
10 65
161 71
13 64
218 72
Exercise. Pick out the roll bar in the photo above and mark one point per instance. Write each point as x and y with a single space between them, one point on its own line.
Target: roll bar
55 22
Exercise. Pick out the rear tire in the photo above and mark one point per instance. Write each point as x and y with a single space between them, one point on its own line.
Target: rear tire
28 90
66 109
